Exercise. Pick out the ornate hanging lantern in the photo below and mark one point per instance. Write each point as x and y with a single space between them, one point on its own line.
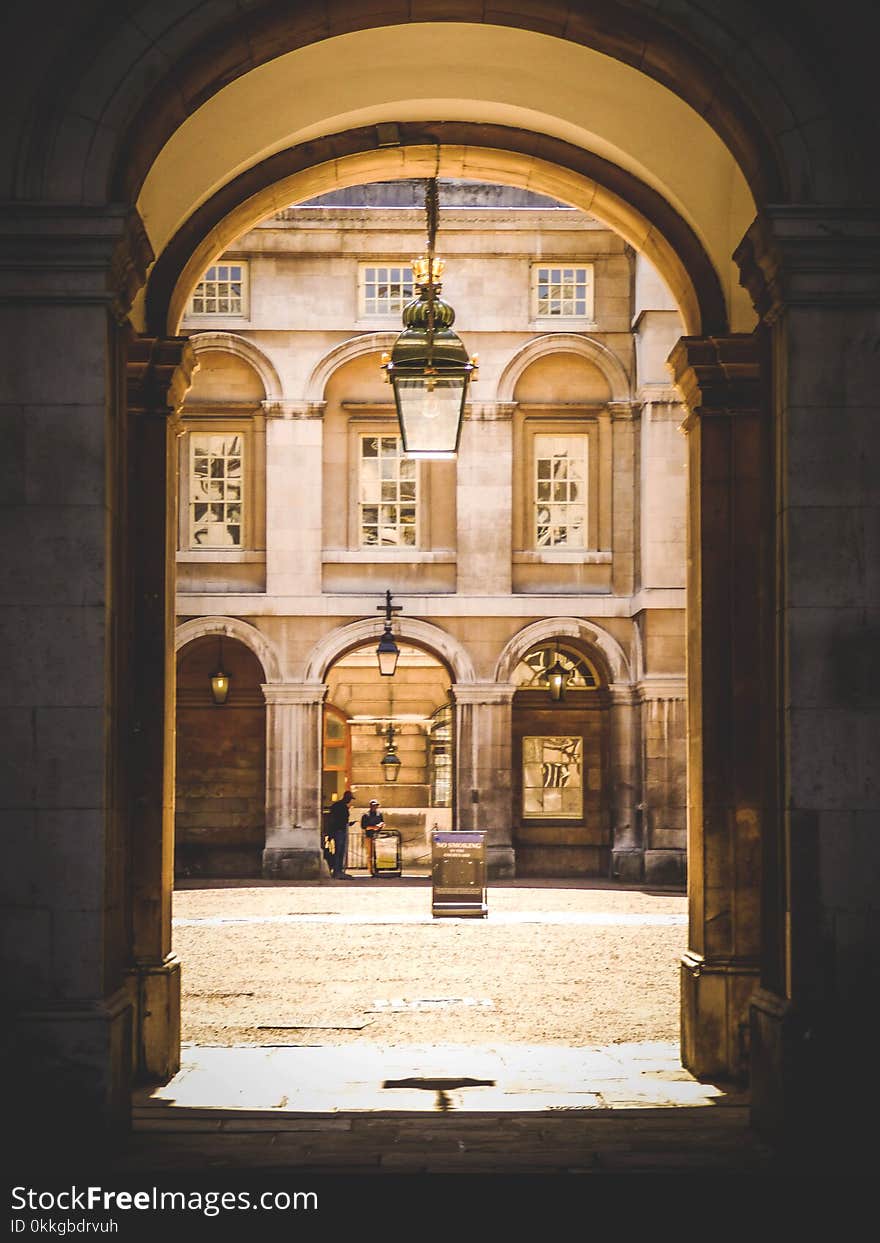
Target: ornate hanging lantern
428 368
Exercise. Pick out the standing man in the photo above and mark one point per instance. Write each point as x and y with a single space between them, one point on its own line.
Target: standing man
337 829
371 822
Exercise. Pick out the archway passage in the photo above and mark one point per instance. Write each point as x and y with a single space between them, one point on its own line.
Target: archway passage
416 794
220 804
781 464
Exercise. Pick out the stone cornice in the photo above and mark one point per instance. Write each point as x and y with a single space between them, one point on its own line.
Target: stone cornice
811 257
659 394
483 692
717 376
284 408
661 686
73 254
489 411
312 693
628 410
159 372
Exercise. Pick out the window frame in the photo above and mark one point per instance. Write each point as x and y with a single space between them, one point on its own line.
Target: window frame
213 316
382 317
251 493
546 320
535 502
388 433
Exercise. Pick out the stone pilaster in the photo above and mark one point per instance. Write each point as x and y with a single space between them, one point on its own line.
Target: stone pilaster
68 274
294 517
483 792
621 471
729 596
662 709
814 276
293 780
159 372
483 475
627 846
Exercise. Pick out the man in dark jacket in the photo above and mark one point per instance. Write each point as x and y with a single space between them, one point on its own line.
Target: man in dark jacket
337 829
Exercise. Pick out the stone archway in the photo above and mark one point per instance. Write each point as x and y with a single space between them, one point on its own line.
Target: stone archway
89 136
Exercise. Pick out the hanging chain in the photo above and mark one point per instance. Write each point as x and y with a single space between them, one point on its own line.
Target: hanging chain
432 212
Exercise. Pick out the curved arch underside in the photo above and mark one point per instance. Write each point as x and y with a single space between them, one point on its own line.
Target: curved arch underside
686 97
480 152
465 151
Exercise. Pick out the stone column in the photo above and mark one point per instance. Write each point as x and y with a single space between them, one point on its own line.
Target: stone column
484 472
159 372
294 519
663 710
293 780
729 598
483 790
627 847
67 278
814 276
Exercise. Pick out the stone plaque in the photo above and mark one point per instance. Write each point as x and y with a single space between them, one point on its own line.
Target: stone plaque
458 874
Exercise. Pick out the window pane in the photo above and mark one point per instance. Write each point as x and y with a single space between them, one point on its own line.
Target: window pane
562 459
216 477
387 478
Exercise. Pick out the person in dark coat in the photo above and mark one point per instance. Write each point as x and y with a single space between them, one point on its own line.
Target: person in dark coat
337 829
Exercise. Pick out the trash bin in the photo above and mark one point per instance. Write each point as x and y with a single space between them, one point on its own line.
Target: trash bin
387 853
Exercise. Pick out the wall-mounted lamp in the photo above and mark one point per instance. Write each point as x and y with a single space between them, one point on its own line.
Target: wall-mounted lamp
388 653
220 680
557 679
390 760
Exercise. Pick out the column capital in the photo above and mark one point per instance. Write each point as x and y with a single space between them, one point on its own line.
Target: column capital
159 372
483 692
661 686
628 410
293 408
490 411
717 376
307 693
811 256
72 253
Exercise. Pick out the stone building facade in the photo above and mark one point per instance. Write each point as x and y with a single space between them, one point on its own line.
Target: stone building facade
558 532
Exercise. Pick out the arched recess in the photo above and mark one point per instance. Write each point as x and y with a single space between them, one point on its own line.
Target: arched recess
630 206
249 635
613 658
410 629
356 347
220 769
229 343
565 343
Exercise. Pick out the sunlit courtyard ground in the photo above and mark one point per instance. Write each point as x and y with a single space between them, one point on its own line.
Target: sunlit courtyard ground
565 963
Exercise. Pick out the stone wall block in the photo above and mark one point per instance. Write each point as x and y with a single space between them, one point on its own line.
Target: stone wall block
54 556
26 952
77 952
827 562
831 452
70 769
78 375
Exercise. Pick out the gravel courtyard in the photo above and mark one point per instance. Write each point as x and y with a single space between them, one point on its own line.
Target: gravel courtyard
318 963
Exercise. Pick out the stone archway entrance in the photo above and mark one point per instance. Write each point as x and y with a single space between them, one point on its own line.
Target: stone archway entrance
768 779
